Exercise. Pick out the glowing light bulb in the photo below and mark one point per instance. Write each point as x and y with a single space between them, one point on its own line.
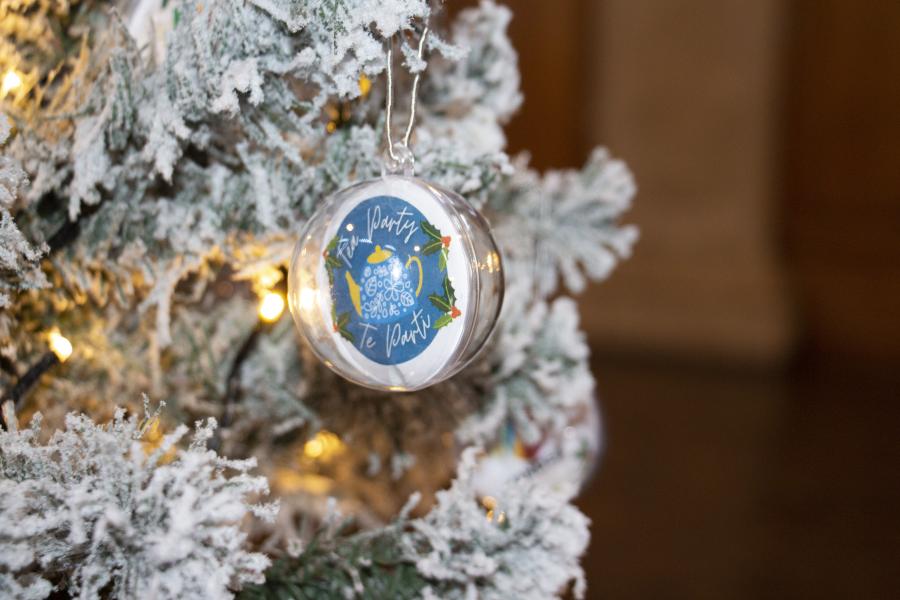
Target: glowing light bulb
490 504
60 346
365 86
314 448
271 306
266 279
11 81
324 445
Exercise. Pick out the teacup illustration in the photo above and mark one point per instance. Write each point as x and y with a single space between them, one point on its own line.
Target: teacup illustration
387 287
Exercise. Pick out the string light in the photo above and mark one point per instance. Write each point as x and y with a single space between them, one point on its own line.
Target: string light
270 308
271 305
60 351
323 446
365 85
489 503
11 81
341 113
59 345
266 279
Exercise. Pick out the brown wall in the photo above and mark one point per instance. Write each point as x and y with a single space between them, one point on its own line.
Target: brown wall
763 136
841 198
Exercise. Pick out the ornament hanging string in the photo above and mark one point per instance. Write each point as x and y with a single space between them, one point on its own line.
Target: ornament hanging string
401 158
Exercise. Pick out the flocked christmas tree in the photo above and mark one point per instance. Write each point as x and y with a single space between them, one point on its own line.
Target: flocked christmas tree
159 159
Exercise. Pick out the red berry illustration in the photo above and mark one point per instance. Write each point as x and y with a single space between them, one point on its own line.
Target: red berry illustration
454 312
446 241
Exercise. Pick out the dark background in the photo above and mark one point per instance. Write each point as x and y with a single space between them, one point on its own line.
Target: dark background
748 355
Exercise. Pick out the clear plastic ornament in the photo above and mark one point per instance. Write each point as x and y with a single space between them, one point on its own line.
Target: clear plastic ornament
396 283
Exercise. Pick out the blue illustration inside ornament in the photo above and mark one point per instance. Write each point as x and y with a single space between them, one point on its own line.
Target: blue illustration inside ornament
387 272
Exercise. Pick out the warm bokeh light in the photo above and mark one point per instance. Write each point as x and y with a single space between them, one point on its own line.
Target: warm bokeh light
313 448
288 481
152 439
491 262
271 306
11 81
365 86
59 345
266 279
323 446
490 505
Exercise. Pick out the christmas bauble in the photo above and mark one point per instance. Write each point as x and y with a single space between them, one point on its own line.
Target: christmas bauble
561 460
396 283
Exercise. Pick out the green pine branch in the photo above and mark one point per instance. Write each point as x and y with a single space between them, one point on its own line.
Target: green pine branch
359 566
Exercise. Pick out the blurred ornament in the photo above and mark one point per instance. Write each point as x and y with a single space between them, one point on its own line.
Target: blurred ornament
562 461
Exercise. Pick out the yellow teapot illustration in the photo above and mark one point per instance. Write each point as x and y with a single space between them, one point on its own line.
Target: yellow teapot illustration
385 290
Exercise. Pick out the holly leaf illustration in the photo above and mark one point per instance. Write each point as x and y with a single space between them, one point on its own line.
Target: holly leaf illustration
449 292
442 321
331 262
442 260
341 323
432 247
431 231
440 302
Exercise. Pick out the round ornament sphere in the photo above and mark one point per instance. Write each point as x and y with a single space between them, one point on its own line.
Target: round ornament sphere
396 283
